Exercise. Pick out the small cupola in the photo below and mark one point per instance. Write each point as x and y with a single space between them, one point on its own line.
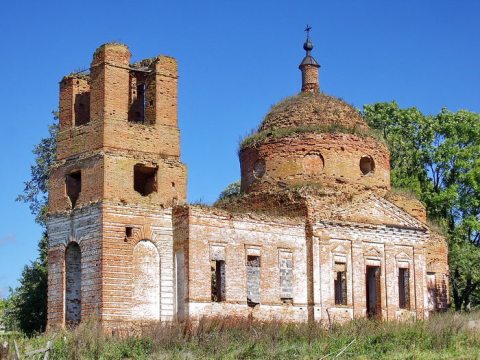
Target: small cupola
309 67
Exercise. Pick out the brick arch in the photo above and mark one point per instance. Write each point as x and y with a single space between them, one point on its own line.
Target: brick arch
141 233
73 283
146 281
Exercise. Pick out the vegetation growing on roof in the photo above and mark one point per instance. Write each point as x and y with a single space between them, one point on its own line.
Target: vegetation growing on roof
83 75
306 97
145 62
263 136
312 108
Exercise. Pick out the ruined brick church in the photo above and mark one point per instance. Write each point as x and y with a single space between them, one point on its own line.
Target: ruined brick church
316 233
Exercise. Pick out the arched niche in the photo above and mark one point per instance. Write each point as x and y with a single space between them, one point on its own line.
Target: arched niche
73 284
146 282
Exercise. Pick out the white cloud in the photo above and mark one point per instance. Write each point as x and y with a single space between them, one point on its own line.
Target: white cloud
7 239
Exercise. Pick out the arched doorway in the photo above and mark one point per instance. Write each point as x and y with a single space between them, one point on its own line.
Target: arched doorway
146 282
73 284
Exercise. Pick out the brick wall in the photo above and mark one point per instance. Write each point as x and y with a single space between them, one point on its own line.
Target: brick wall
101 147
150 223
362 246
201 229
329 160
83 227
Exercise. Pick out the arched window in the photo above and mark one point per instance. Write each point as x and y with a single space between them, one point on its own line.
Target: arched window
73 284
313 163
259 168
367 165
146 282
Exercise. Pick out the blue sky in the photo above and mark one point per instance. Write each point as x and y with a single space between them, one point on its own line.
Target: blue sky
236 59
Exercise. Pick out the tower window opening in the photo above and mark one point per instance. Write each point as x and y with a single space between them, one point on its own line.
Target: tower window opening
136 112
73 185
145 179
82 109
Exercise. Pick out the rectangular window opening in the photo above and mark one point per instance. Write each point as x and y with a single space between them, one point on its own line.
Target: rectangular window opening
403 288
218 280
81 109
128 231
431 291
73 184
286 277
340 281
145 179
136 112
253 280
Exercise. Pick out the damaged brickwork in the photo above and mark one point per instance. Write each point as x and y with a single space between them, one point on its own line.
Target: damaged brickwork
118 174
316 234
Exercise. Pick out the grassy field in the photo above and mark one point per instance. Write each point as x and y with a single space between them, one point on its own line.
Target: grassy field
445 336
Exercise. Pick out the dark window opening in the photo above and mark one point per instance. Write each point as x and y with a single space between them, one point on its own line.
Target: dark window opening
218 280
81 109
367 165
128 231
138 98
253 260
340 282
374 298
253 280
403 289
144 179
73 183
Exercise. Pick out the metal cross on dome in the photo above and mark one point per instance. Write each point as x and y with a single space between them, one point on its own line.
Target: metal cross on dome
307 30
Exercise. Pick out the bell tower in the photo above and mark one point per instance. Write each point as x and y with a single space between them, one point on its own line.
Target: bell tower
118 174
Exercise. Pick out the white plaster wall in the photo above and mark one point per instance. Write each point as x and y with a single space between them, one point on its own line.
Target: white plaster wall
146 282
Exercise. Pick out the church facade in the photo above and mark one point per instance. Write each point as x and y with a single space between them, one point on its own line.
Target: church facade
315 234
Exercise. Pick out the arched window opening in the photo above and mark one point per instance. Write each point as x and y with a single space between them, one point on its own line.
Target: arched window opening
313 163
367 165
73 185
259 168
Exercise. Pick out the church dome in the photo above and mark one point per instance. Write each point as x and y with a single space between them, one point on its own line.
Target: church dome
313 139
313 109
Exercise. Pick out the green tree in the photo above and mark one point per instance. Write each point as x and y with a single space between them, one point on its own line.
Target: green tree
230 191
438 158
27 304
35 192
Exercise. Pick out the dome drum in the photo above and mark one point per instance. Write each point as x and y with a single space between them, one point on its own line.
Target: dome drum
327 160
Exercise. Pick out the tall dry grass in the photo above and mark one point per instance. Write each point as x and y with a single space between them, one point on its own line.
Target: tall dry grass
443 336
